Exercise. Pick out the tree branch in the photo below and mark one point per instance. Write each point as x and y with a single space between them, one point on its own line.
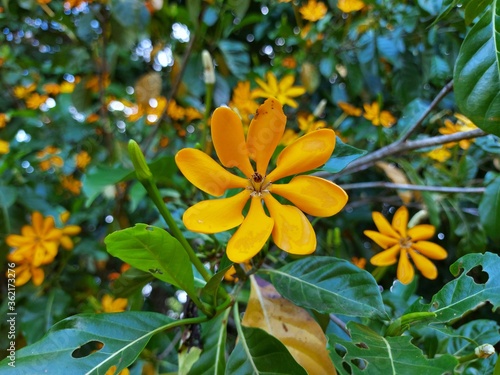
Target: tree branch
390 185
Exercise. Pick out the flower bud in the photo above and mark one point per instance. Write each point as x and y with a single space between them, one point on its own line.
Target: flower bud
320 108
208 68
484 351
141 167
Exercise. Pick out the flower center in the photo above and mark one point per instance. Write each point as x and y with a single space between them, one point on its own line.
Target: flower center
405 243
258 185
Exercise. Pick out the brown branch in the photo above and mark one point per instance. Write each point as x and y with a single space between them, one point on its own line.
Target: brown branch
390 185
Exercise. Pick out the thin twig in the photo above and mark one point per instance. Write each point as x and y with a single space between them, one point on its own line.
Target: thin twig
340 324
390 185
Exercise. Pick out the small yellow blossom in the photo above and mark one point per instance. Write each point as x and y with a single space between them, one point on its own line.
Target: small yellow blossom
111 305
35 100
349 109
82 159
50 159
4 119
95 83
4 147
440 154
174 111
359 262
289 62
308 123
397 239
68 231
93 117
377 117
52 89
192 114
26 271
313 11
71 184
284 90
112 371
348 6
67 87
242 102
290 229
22 92
463 124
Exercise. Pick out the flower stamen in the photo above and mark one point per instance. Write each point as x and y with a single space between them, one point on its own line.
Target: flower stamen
405 243
258 185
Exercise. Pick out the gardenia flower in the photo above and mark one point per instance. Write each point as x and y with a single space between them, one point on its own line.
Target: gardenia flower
463 125
378 117
313 11
290 229
397 239
348 6
284 90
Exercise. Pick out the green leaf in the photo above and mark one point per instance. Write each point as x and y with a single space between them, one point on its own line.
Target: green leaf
370 353
472 334
342 156
477 77
117 338
236 57
213 359
129 13
153 250
8 196
464 294
257 352
474 8
329 285
96 181
489 210
431 6
209 291
130 281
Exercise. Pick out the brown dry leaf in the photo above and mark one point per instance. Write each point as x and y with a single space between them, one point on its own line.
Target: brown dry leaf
397 176
290 324
147 87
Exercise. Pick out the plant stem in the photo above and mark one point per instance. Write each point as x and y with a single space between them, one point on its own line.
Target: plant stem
206 115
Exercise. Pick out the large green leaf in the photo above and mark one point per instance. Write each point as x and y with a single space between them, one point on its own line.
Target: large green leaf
153 250
370 353
489 210
343 154
257 352
236 57
117 340
477 72
96 181
464 294
329 285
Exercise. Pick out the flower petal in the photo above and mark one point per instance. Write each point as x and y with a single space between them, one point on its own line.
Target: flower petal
292 231
251 235
386 257
313 195
265 132
424 265
306 153
400 220
37 276
383 240
15 240
383 225
229 140
204 172
430 250
405 272
71 230
37 223
217 215
421 232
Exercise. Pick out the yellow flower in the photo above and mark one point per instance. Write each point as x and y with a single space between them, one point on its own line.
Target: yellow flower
174 111
37 242
67 87
290 228
4 119
192 114
4 147
284 90
110 304
52 89
25 271
68 231
112 371
71 184
35 100
463 125
377 117
22 92
349 109
313 11
308 123
359 262
288 137
408 243
82 159
243 102
440 154
348 6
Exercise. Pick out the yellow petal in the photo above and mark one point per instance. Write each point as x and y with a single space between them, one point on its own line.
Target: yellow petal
48 226
229 140
421 232
383 225
405 272
424 265
386 257
204 173
292 231
251 235
400 220
295 91
306 153
383 240
313 195
45 253
265 132
71 230
37 223
217 215
272 82
15 240
67 243
23 274
286 82
430 250
37 276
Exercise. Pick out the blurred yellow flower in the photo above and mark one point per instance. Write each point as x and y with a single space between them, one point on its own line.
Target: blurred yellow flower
22 92
359 262
192 113
52 89
284 90
396 239
112 305
3 120
288 137
377 117
71 184
95 83
290 228
82 159
243 102
308 123
463 124
174 111
35 100
68 87
50 160
26 271
313 11
4 147
440 154
68 231
112 371
348 6
349 109
289 62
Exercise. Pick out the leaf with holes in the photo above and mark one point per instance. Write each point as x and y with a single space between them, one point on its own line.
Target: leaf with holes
477 72
89 344
257 352
329 285
370 353
153 250
465 294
